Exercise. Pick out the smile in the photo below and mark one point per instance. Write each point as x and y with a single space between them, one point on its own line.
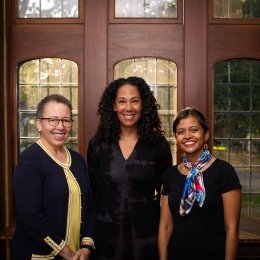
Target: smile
129 117
189 143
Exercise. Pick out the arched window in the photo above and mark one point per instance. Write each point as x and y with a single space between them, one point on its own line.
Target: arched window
161 75
237 124
37 79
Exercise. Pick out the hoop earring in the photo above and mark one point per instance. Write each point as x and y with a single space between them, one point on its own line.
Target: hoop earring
205 146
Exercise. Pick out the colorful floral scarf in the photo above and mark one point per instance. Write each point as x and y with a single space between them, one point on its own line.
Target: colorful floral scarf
194 186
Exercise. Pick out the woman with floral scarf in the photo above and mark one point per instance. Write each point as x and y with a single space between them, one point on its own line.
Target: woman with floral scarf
201 198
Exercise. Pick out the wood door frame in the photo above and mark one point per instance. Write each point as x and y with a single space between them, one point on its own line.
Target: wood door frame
97 46
195 42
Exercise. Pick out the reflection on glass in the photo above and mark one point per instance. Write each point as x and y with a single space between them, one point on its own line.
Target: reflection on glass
48 8
166 122
47 77
165 72
146 8
221 70
239 153
69 72
245 199
33 76
240 71
244 177
237 122
221 129
221 91
256 97
74 128
72 143
256 124
255 71
28 124
254 200
26 142
239 125
255 152
161 75
165 94
220 149
28 97
51 8
50 71
240 97
71 93
236 9
255 182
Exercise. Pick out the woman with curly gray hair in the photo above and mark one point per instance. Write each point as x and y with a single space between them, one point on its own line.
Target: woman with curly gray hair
126 159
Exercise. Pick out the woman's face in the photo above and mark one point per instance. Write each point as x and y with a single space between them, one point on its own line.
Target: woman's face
128 106
191 137
54 136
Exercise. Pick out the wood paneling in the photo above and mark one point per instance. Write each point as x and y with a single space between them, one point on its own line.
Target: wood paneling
95 63
195 56
97 42
42 40
139 40
233 41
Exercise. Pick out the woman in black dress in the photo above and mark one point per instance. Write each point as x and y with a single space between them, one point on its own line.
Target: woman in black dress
126 159
201 198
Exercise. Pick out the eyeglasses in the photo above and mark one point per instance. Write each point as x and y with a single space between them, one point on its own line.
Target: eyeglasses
55 121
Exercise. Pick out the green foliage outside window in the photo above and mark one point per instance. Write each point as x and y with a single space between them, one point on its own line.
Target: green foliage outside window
237 124
37 79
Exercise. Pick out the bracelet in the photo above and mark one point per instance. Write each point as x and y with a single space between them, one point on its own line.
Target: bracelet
90 248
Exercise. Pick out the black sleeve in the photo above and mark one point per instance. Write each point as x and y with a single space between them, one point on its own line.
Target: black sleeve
165 161
229 179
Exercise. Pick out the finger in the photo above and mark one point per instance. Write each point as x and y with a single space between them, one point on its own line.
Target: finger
76 256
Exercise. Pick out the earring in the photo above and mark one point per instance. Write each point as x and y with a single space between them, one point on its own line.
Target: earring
206 146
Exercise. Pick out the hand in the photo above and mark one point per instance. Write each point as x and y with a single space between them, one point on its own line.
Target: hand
67 253
82 254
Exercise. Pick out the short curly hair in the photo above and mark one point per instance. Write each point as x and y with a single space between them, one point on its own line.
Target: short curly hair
149 124
52 98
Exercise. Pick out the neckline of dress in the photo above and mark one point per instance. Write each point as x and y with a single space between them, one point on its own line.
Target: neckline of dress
215 159
131 154
64 165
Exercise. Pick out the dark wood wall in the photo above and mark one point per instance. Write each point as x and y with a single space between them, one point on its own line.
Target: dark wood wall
96 42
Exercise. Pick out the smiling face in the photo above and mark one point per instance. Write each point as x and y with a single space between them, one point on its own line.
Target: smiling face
191 137
54 137
128 106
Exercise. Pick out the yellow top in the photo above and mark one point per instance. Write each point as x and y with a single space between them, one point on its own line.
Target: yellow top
74 202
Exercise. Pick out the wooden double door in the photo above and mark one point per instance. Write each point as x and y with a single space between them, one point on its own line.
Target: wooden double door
97 41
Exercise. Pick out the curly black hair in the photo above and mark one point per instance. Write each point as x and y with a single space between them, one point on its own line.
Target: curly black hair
149 124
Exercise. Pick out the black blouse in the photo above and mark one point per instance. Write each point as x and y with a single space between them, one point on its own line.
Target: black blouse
201 233
124 189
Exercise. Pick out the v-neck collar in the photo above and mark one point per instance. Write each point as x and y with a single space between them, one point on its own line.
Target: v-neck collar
131 154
